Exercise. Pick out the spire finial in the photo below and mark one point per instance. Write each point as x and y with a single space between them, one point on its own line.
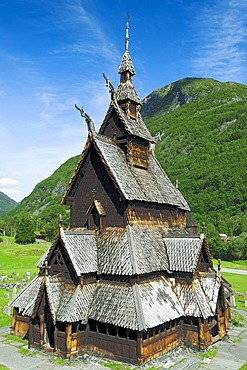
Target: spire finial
127 32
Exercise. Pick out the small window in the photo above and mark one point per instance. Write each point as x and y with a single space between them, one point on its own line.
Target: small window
95 214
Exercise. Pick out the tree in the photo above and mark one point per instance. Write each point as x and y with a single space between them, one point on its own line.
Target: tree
25 230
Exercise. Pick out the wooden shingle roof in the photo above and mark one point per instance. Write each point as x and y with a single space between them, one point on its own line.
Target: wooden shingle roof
69 303
134 306
80 246
135 127
135 183
183 252
131 251
193 300
126 64
26 299
126 91
128 251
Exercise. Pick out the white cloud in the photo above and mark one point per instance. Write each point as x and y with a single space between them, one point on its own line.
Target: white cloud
8 187
222 34
91 40
6 181
12 193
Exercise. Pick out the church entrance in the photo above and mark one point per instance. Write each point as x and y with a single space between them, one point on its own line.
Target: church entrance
49 329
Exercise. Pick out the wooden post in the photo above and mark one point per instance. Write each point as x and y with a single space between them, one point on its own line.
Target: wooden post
219 325
226 318
41 329
201 334
139 348
30 336
55 338
68 340
13 321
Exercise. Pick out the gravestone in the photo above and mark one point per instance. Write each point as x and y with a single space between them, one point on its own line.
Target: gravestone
232 301
6 310
245 299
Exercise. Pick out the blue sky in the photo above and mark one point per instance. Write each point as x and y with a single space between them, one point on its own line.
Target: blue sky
53 54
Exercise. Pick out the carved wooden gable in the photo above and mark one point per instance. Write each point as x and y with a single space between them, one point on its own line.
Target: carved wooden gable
60 263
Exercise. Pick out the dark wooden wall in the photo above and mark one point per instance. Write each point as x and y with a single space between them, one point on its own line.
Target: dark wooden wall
96 184
113 127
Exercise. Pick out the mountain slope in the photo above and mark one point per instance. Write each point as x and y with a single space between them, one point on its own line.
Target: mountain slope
6 203
202 124
43 204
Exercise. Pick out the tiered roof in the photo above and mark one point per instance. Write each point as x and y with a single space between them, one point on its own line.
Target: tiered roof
137 305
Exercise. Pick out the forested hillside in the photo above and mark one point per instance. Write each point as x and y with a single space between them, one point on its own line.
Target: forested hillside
6 203
43 204
202 131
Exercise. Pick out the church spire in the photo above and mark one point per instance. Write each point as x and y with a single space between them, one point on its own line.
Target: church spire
126 94
127 33
126 69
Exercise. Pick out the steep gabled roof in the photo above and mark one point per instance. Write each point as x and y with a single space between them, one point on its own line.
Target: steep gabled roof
183 252
159 302
135 183
129 251
80 246
69 303
126 90
193 300
211 286
133 127
126 64
26 299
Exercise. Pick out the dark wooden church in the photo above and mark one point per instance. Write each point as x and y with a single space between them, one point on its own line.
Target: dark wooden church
130 279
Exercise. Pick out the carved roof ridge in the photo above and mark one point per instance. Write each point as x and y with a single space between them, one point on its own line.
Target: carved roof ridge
139 308
132 250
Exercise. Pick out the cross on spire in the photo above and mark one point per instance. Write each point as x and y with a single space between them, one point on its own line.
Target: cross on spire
94 193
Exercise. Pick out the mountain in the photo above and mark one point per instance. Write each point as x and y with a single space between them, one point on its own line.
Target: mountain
6 203
43 204
201 130
201 125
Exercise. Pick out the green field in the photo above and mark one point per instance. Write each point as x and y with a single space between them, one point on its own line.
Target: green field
237 265
16 260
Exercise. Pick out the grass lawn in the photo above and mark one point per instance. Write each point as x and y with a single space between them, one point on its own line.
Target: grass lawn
238 285
237 265
15 261
18 258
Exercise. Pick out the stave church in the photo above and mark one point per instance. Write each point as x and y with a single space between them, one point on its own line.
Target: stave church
130 279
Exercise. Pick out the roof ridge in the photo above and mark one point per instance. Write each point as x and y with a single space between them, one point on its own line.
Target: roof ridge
197 286
176 191
72 302
132 251
139 309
